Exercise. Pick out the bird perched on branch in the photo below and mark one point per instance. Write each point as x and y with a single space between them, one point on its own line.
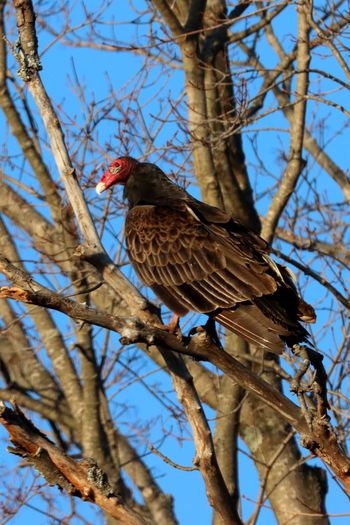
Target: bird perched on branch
197 257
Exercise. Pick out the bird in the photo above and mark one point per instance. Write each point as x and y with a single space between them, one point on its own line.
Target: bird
197 257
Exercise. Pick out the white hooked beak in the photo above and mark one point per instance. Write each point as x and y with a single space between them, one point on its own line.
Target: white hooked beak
100 187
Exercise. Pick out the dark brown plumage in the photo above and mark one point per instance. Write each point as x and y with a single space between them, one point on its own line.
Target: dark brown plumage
197 257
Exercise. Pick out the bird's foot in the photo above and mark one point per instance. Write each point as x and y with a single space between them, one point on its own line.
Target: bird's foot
210 329
202 341
173 327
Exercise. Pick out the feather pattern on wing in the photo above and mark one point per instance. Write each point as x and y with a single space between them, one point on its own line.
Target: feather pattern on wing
213 267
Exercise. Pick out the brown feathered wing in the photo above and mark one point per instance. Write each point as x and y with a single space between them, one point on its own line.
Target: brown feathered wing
218 268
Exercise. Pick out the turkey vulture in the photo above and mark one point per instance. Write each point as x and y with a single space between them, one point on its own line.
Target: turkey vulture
197 257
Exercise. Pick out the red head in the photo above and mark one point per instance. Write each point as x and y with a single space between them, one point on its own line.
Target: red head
118 173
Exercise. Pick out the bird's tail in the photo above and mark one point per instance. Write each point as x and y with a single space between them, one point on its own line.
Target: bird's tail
249 322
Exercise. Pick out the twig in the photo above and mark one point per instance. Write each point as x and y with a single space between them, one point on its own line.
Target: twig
170 461
308 271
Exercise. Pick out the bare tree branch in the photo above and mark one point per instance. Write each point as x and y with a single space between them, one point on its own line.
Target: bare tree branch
296 162
77 478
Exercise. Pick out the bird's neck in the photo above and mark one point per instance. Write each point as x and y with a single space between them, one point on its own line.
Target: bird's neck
149 185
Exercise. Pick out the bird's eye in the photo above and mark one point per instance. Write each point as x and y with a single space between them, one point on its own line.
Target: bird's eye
114 169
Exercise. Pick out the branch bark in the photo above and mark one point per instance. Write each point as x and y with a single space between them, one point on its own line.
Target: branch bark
296 162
